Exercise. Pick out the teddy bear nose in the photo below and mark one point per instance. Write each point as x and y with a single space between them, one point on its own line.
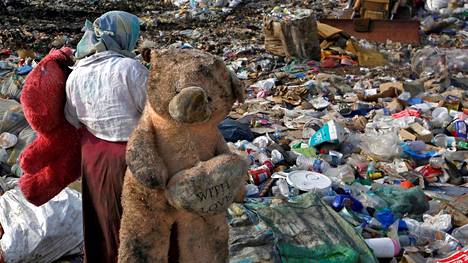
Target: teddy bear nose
190 106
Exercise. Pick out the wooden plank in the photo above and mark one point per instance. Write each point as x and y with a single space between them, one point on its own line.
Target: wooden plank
404 31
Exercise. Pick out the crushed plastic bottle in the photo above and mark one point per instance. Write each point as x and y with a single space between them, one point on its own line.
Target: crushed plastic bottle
425 235
312 164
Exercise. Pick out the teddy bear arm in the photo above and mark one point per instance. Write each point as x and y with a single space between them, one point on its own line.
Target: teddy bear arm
208 188
143 159
221 146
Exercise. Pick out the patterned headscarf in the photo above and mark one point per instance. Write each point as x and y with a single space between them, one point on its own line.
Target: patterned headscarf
116 30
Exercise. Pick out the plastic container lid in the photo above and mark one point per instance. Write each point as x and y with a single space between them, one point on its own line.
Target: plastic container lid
308 181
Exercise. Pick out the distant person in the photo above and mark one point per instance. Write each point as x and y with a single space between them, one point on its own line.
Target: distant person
106 94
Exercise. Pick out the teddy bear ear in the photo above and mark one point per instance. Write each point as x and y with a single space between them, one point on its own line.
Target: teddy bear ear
237 87
146 54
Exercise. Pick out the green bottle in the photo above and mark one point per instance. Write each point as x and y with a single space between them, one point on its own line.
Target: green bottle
462 145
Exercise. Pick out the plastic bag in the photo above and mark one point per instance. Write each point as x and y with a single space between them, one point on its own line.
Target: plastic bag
435 61
403 201
250 239
12 86
40 234
440 117
435 5
12 117
440 222
461 234
234 131
383 146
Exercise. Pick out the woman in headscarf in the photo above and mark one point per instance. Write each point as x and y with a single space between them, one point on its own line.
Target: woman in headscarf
105 97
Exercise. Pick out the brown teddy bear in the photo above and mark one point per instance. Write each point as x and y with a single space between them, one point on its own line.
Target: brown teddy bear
181 176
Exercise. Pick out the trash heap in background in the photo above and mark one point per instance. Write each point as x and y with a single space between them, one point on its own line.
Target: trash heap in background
385 149
15 132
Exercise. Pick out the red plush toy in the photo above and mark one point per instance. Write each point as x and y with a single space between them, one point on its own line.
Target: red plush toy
53 160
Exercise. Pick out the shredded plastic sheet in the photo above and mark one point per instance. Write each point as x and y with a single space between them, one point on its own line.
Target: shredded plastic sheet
12 86
25 137
411 202
304 229
12 118
40 234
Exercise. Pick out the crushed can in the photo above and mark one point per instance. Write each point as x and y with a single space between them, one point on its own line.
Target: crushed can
259 175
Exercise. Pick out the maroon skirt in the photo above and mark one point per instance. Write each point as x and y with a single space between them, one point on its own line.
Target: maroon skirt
102 168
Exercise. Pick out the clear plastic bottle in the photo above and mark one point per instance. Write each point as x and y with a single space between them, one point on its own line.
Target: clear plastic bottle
246 145
276 156
193 4
312 164
277 134
424 235
343 173
283 187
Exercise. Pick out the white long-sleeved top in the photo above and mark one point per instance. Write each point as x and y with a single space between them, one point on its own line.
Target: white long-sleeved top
106 93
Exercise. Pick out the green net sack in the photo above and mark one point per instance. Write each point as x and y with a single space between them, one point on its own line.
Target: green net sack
307 230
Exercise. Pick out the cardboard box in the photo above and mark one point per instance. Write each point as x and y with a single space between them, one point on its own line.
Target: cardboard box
376 15
422 133
406 135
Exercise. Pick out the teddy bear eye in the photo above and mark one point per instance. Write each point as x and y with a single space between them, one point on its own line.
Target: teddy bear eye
210 99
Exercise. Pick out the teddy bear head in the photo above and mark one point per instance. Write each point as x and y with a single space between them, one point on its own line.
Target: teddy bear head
45 112
191 87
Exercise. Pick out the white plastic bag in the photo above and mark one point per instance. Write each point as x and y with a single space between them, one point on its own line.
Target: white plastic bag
382 145
435 5
40 234
440 222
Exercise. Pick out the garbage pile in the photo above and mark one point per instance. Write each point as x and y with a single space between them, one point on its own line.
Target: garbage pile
15 132
385 149
391 160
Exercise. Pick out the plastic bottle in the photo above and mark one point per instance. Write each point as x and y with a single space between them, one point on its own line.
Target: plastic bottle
424 235
372 172
369 221
277 134
246 145
440 117
443 141
384 247
312 164
437 162
283 187
343 173
406 241
261 142
348 200
193 4
276 156
462 145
